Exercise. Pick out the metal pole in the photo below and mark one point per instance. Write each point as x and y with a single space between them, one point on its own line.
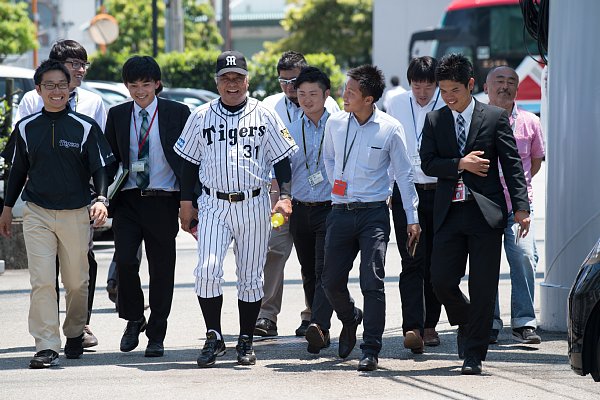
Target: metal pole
225 25
154 29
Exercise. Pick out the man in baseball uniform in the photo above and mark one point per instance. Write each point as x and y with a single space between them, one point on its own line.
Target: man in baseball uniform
287 106
231 144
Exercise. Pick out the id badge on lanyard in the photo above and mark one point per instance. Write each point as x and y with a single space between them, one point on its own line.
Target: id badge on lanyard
460 192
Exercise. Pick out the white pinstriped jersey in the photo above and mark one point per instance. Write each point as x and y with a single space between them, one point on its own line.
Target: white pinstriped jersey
234 151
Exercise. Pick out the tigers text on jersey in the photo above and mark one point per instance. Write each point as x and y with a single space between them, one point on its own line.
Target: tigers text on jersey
235 151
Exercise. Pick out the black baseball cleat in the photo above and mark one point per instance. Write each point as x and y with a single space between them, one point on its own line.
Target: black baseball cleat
245 352
212 349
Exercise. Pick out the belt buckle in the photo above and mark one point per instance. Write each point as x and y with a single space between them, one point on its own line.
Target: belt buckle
234 197
143 193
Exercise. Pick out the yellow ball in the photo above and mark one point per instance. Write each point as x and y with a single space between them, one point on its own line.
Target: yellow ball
277 220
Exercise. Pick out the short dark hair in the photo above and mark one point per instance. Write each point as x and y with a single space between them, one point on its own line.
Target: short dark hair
394 80
63 49
313 75
141 68
454 67
421 69
50 65
370 79
290 60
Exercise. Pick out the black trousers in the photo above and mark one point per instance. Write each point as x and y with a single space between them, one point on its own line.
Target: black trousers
308 226
153 220
349 231
466 233
420 307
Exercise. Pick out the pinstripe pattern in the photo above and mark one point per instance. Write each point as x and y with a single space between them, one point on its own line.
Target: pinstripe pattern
235 152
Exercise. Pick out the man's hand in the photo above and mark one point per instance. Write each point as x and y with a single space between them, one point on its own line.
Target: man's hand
98 214
523 219
413 231
187 213
6 221
473 163
283 206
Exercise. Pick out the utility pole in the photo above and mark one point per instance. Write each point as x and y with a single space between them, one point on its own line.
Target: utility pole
174 29
154 29
225 25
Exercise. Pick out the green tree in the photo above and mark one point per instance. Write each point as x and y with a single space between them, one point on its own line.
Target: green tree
135 26
340 27
17 31
263 72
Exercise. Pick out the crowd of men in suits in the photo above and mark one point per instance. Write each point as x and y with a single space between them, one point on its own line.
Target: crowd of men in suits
456 174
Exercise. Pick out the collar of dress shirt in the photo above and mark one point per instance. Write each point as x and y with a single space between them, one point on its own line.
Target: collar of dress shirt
467 113
150 109
374 116
322 120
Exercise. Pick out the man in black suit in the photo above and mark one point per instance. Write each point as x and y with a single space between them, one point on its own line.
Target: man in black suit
142 134
461 146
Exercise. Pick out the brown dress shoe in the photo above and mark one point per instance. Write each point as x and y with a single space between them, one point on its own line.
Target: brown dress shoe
431 337
413 341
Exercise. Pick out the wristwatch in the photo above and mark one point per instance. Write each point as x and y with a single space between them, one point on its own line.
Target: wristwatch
101 199
285 197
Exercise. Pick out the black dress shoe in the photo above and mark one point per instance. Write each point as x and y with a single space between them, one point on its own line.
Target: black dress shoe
317 338
111 288
245 352
301 330
74 347
460 340
471 366
212 349
265 327
368 362
154 349
130 338
347 339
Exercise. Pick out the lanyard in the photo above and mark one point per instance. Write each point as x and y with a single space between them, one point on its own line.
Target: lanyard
288 111
141 144
347 154
412 110
306 153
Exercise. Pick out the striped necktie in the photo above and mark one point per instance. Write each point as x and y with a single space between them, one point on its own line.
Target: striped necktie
143 178
461 137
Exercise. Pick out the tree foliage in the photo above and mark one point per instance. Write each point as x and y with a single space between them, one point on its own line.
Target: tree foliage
17 31
340 27
135 26
263 72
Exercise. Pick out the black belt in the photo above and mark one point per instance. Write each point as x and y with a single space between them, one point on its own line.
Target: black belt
312 203
426 186
233 197
356 205
156 193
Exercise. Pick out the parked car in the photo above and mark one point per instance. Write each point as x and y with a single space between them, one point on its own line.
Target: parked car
112 92
192 97
584 317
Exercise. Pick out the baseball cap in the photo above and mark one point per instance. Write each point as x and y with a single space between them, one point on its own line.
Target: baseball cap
231 61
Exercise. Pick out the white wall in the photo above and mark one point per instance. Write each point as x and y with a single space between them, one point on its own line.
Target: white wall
394 21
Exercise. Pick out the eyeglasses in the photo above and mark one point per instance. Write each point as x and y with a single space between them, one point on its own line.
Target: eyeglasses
287 81
78 64
52 86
